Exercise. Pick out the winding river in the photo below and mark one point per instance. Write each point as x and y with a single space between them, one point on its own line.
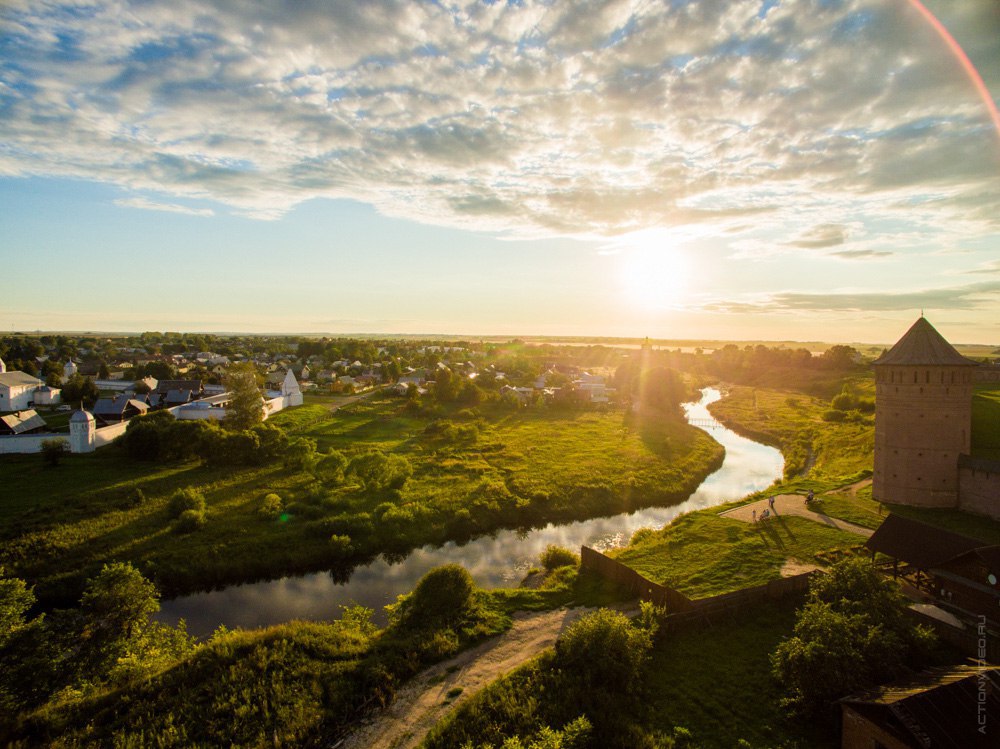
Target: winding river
497 560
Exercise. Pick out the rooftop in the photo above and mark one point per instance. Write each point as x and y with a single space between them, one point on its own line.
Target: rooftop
922 345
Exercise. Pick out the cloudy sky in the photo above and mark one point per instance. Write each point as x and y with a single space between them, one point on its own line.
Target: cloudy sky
803 169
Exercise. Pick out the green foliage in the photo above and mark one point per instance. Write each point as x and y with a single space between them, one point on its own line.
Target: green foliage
836 416
190 521
79 389
558 556
851 634
184 500
53 450
605 652
443 595
377 471
341 546
986 423
246 407
15 600
270 507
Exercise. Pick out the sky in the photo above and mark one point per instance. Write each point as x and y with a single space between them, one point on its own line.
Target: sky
685 169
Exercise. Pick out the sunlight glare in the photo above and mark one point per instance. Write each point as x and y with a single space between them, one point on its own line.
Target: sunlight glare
654 272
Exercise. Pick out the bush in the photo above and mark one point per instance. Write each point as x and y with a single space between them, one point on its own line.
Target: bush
190 520
604 651
184 500
443 595
53 450
341 546
834 416
271 507
558 556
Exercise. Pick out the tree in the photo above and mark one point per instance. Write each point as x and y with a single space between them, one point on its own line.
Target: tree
851 634
247 406
80 389
104 373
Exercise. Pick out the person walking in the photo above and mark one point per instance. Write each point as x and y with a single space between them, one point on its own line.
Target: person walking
755 516
770 502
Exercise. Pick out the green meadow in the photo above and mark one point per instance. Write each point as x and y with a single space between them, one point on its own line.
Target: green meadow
702 554
471 472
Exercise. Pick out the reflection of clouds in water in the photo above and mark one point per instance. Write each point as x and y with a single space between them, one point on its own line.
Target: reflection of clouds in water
498 560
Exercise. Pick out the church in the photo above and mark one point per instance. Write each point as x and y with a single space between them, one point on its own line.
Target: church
923 427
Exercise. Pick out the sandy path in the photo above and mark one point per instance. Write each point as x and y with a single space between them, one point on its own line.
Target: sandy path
794 504
423 701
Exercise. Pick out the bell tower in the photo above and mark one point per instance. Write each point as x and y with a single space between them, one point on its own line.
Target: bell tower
923 419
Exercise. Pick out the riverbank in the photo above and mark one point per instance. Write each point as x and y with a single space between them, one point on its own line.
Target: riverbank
470 473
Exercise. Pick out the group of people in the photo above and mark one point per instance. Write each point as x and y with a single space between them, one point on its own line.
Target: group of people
767 512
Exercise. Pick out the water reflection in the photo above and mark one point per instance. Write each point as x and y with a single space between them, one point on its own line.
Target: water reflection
498 560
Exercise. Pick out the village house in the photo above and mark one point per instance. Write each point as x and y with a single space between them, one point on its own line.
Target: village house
120 408
957 707
17 390
22 422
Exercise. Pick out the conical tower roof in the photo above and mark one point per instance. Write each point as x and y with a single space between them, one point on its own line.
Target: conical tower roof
922 346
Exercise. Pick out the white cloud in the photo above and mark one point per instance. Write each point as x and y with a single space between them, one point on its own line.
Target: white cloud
536 118
149 205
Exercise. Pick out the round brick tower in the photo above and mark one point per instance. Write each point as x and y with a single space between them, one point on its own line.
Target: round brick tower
923 419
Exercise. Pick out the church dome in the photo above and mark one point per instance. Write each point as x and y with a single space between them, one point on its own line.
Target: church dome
81 416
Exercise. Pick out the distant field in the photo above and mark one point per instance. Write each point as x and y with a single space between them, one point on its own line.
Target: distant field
793 422
986 422
58 525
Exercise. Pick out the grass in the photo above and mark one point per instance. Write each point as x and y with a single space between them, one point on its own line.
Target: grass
701 554
858 508
714 682
793 422
296 684
523 468
986 422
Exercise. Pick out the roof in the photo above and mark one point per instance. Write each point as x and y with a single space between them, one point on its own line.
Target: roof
924 546
938 708
81 415
23 422
922 345
15 378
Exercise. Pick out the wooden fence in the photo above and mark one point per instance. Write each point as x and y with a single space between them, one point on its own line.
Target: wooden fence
680 608
626 577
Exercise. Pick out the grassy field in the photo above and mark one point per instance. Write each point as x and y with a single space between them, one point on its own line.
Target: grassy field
716 682
701 554
793 422
59 525
986 422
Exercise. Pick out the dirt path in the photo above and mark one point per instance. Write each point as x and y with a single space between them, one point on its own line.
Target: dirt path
424 700
793 504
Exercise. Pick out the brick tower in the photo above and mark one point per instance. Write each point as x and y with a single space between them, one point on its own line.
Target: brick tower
923 419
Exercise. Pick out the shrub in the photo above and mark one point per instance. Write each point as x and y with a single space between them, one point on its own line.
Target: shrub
184 500
53 450
604 651
444 594
834 416
558 556
341 546
190 520
270 507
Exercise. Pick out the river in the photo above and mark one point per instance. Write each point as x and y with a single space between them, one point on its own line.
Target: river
501 559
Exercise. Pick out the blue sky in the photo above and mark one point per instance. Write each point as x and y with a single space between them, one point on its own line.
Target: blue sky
702 169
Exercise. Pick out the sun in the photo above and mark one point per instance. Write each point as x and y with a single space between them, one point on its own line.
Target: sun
654 272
